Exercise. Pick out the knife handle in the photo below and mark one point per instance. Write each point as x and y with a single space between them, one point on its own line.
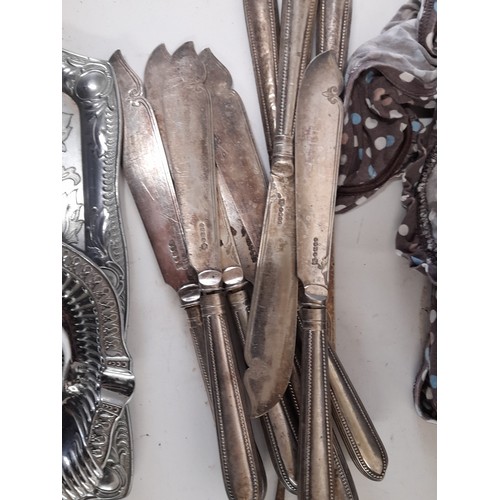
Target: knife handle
333 28
262 20
344 488
197 332
354 424
316 465
242 467
294 52
279 423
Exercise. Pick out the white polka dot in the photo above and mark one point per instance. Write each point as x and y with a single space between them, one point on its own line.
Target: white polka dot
370 104
406 77
338 208
399 253
429 40
355 141
371 123
368 152
402 126
361 200
380 143
393 113
405 197
343 159
341 179
403 230
432 316
430 105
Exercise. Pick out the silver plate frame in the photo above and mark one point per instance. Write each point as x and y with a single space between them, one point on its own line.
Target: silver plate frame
97 374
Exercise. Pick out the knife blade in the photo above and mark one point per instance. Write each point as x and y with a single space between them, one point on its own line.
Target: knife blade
174 87
270 346
317 152
240 169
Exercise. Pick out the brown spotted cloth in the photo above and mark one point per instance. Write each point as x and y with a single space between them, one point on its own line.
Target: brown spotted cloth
390 131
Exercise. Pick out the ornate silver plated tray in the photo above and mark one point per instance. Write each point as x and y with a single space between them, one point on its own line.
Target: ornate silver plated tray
97 381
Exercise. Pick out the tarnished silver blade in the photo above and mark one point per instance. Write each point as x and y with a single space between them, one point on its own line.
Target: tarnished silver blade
148 175
243 177
182 105
243 240
230 259
174 87
317 152
333 26
318 132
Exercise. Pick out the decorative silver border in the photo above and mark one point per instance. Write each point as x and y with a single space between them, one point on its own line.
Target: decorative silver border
98 381
91 85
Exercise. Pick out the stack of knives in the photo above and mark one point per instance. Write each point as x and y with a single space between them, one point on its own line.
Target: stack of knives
250 255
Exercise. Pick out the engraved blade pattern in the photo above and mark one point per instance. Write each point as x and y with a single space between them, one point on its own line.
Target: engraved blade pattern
242 180
148 175
175 90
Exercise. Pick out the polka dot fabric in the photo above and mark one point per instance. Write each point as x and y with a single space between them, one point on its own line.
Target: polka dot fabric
390 131
390 104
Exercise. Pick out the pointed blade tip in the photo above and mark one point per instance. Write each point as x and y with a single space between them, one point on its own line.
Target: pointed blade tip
259 401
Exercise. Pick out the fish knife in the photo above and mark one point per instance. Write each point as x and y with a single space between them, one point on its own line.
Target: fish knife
317 150
174 87
148 176
352 420
241 176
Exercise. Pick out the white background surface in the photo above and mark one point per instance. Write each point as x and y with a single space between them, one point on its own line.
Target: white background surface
379 300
